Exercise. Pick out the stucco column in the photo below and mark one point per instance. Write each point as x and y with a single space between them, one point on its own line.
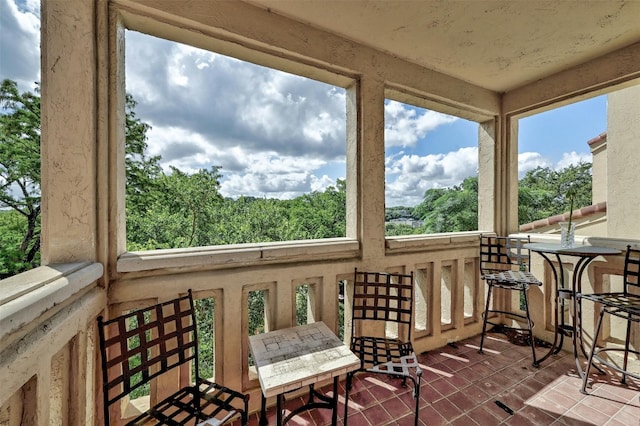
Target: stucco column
498 176
486 175
623 158
68 131
371 179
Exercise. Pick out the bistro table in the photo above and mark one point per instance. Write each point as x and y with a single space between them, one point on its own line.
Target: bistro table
585 255
291 358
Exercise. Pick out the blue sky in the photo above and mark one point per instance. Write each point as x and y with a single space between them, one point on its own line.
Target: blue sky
278 135
559 133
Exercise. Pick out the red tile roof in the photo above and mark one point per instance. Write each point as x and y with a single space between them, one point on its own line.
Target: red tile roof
577 214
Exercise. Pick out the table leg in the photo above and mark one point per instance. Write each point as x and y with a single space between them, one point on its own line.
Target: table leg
334 403
562 294
280 397
558 336
577 341
263 411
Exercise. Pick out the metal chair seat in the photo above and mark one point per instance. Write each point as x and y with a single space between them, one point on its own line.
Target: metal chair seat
619 304
390 356
512 280
215 406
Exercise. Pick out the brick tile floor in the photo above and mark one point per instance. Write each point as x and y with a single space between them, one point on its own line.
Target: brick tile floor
461 387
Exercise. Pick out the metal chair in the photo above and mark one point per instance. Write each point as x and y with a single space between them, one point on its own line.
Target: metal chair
505 264
141 345
625 305
382 304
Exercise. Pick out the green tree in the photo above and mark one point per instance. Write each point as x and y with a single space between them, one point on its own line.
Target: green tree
398 212
320 214
20 172
452 209
142 171
176 212
543 191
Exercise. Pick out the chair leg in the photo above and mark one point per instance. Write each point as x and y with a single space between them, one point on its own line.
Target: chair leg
416 394
486 317
245 413
530 325
626 350
596 335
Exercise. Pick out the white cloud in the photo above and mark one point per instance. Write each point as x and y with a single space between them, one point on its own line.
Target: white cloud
321 183
529 161
20 42
404 126
409 176
573 158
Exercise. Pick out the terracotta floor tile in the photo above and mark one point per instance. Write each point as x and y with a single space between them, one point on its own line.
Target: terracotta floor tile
483 416
549 405
410 401
377 415
385 391
429 394
462 401
357 419
408 420
444 387
361 400
571 420
477 394
397 408
460 387
463 420
538 416
429 415
589 413
447 409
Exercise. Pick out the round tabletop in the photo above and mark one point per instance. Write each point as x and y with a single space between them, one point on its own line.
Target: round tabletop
578 250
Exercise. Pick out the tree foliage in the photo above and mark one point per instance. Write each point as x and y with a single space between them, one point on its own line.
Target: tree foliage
542 192
20 172
450 209
20 175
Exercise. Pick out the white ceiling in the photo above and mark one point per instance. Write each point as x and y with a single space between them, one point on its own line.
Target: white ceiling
498 45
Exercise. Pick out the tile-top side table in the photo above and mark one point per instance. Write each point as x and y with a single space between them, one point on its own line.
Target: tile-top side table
291 358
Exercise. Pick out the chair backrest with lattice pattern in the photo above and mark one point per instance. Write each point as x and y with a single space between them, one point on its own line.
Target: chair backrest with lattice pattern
143 344
632 271
503 253
387 297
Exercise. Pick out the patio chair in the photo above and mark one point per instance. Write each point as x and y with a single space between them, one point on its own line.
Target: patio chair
141 345
505 264
381 323
624 305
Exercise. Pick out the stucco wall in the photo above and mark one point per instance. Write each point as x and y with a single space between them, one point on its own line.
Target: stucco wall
623 160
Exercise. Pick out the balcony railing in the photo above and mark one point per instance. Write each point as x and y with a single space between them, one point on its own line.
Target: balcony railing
48 355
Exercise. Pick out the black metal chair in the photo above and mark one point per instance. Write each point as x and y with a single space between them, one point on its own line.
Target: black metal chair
384 302
625 305
141 345
505 264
